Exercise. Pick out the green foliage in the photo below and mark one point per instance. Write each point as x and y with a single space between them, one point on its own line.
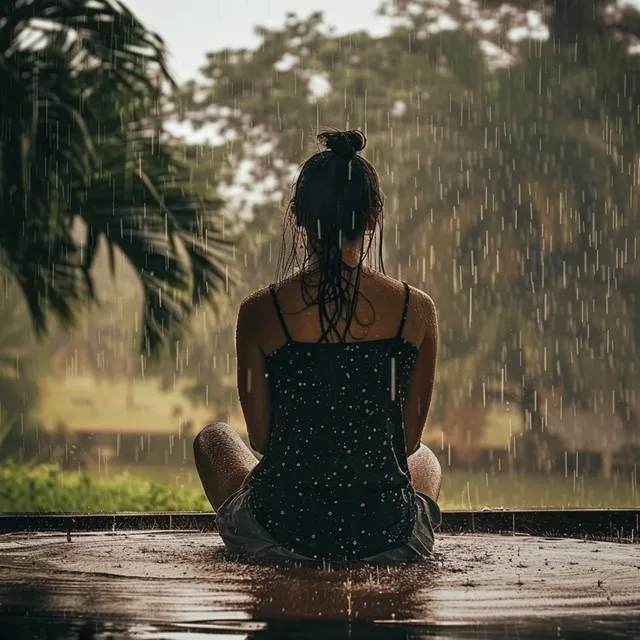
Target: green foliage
82 152
47 488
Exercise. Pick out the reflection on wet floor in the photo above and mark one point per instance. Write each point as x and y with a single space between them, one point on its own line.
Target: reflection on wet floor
65 629
152 585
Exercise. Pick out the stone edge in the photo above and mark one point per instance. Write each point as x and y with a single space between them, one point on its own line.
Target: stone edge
613 524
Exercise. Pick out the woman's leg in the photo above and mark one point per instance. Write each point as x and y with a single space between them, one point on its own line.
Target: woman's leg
426 473
223 461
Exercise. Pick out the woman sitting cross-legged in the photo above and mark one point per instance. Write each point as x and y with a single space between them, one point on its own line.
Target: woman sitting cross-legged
336 364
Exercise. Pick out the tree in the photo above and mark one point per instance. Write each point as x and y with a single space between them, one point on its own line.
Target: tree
82 94
544 225
510 189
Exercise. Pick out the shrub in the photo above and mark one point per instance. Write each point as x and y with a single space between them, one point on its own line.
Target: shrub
47 488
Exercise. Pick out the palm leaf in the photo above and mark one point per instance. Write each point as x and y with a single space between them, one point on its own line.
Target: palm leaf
141 204
77 139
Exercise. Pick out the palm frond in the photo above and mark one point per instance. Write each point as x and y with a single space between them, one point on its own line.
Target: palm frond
140 202
80 89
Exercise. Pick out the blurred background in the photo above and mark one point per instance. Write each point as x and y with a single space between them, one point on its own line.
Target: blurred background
147 149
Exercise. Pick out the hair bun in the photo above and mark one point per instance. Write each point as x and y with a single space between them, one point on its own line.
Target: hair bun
344 143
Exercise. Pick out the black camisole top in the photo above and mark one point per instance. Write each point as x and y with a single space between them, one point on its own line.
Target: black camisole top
334 481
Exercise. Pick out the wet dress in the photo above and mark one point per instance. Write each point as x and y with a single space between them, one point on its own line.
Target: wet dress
334 481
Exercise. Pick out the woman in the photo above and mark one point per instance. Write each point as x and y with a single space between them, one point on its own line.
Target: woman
335 374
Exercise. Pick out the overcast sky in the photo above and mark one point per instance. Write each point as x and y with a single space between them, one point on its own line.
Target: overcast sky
191 28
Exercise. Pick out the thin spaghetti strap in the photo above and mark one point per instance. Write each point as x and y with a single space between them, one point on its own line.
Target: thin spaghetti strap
404 311
272 288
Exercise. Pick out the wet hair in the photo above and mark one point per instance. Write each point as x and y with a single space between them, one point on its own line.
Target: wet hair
336 199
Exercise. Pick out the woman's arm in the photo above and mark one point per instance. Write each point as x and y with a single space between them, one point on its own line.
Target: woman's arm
423 375
253 386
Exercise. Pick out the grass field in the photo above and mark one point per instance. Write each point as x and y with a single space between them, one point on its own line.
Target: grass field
46 488
83 404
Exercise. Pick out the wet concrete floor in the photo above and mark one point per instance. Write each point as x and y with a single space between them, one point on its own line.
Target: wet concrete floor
177 584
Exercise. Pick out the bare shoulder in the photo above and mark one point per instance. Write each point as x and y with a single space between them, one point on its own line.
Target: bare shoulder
418 298
253 308
423 316
423 303
419 301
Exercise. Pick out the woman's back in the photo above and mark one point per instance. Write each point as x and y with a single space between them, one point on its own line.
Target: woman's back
334 481
335 373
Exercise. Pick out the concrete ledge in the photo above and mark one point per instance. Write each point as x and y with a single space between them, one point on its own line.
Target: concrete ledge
76 522
622 525
597 524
